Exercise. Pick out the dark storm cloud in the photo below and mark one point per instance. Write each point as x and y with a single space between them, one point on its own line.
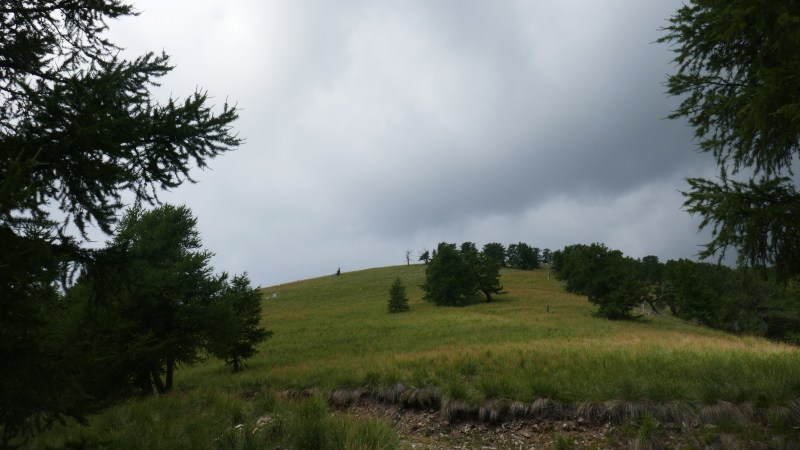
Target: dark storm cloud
376 127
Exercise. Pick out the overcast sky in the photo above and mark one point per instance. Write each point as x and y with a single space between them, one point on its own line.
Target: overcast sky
376 127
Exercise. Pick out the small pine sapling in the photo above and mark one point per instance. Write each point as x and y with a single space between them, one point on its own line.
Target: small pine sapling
398 300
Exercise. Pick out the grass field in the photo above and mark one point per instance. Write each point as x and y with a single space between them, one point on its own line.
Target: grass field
335 333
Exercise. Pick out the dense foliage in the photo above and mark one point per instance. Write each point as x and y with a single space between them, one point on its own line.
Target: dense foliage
522 256
455 276
237 330
737 300
495 251
78 130
737 64
165 307
610 280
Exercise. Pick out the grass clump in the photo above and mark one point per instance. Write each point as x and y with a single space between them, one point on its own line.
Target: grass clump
312 426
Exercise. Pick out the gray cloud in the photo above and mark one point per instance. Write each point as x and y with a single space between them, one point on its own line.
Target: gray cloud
376 127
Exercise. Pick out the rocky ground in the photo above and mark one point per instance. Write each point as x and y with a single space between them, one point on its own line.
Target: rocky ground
428 429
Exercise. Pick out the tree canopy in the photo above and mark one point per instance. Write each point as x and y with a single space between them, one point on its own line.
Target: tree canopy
737 64
522 256
79 129
454 276
610 280
156 304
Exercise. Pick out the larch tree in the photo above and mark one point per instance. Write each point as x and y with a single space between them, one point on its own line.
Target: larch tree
79 129
737 67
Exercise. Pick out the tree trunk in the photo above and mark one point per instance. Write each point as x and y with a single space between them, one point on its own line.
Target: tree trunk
652 304
170 370
160 388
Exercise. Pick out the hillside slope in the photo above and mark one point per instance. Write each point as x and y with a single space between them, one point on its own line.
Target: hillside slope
334 332
558 379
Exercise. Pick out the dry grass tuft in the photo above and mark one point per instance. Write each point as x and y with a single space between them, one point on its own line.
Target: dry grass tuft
592 411
457 411
421 398
392 394
673 411
722 412
518 409
494 411
342 398
541 408
786 415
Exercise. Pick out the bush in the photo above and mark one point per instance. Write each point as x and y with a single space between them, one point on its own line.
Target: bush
398 300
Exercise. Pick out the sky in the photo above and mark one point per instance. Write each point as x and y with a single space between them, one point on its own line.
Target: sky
373 128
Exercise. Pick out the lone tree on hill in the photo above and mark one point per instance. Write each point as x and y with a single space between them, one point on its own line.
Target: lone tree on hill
78 129
398 300
737 73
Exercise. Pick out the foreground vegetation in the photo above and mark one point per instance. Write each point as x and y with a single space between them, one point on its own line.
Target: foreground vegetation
335 333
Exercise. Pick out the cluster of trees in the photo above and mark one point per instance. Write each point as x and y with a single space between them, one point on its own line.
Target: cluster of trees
517 256
456 275
737 79
612 281
152 302
80 131
739 300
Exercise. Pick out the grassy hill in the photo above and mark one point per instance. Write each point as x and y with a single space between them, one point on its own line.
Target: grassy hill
334 341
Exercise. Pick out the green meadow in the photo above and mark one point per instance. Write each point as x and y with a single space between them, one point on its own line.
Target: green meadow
334 335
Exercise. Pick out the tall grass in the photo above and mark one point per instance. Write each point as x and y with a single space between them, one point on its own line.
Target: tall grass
335 332
214 419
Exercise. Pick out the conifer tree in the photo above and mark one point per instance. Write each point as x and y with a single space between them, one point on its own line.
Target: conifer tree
737 64
79 129
238 312
166 307
398 300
